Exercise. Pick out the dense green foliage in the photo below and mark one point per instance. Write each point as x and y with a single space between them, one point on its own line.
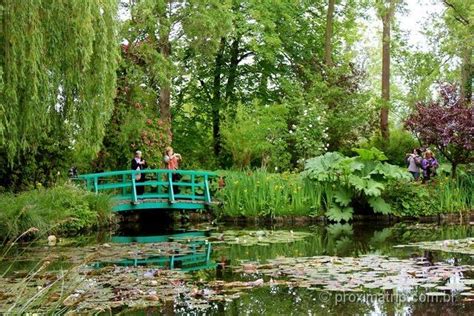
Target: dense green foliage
255 137
233 84
258 193
400 143
58 62
232 60
446 195
356 182
64 210
338 191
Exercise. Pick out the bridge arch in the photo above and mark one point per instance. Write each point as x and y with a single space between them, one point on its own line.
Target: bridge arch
194 188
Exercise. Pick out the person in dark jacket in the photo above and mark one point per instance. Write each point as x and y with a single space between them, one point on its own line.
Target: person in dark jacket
138 163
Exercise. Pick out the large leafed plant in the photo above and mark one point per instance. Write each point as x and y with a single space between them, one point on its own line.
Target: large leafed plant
351 181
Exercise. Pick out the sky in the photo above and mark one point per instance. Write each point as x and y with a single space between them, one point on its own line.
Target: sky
410 21
418 12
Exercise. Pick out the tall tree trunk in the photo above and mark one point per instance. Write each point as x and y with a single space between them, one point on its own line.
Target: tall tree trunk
216 98
386 20
234 62
467 74
165 87
328 34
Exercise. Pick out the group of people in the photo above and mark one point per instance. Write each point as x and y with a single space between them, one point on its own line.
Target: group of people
422 161
171 160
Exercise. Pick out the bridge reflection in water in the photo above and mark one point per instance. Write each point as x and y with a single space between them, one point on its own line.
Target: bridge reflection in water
187 251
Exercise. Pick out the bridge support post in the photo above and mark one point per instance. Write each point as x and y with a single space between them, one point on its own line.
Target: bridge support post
207 191
172 262
208 252
96 185
193 187
158 179
170 187
134 190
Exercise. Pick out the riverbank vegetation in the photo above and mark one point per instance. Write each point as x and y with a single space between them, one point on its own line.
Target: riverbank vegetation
262 194
281 90
339 187
62 209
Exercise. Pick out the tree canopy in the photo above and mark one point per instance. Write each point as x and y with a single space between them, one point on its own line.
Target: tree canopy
229 84
58 61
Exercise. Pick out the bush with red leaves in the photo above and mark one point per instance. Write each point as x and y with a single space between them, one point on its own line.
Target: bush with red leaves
446 123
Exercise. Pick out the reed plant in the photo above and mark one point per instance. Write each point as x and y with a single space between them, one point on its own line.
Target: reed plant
64 209
260 193
454 195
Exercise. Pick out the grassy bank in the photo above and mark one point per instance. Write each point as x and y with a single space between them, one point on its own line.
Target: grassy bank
259 193
64 210
442 196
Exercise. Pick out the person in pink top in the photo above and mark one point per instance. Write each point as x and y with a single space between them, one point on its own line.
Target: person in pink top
172 161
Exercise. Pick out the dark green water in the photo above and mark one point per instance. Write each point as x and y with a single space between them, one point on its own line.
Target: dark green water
333 240
348 240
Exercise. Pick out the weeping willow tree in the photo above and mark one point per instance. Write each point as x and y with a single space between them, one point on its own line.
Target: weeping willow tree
57 81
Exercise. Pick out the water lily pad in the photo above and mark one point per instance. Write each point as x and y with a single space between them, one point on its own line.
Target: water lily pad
435 294
259 237
462 246
370 272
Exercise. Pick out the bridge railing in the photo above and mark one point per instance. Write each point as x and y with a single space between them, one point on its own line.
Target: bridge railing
158 184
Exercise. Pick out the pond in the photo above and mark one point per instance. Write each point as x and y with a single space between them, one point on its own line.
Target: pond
205 269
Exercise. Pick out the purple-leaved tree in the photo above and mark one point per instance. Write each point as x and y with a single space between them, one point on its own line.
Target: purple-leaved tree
446 123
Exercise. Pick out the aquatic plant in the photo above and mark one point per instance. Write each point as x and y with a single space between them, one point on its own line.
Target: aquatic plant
257 237
260 193
462 246
366 272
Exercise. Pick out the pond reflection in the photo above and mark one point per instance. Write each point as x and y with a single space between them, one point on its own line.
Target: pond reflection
346 240
187 251
234 270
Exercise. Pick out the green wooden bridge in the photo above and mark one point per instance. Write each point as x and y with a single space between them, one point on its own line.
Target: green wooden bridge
192 190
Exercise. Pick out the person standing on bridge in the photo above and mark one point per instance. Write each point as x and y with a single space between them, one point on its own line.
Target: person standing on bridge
172 161
139 164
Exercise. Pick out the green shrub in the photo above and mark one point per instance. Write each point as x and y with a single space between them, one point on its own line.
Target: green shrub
410 199
259 193
443 195
257 137
64 209
353 181
400 143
